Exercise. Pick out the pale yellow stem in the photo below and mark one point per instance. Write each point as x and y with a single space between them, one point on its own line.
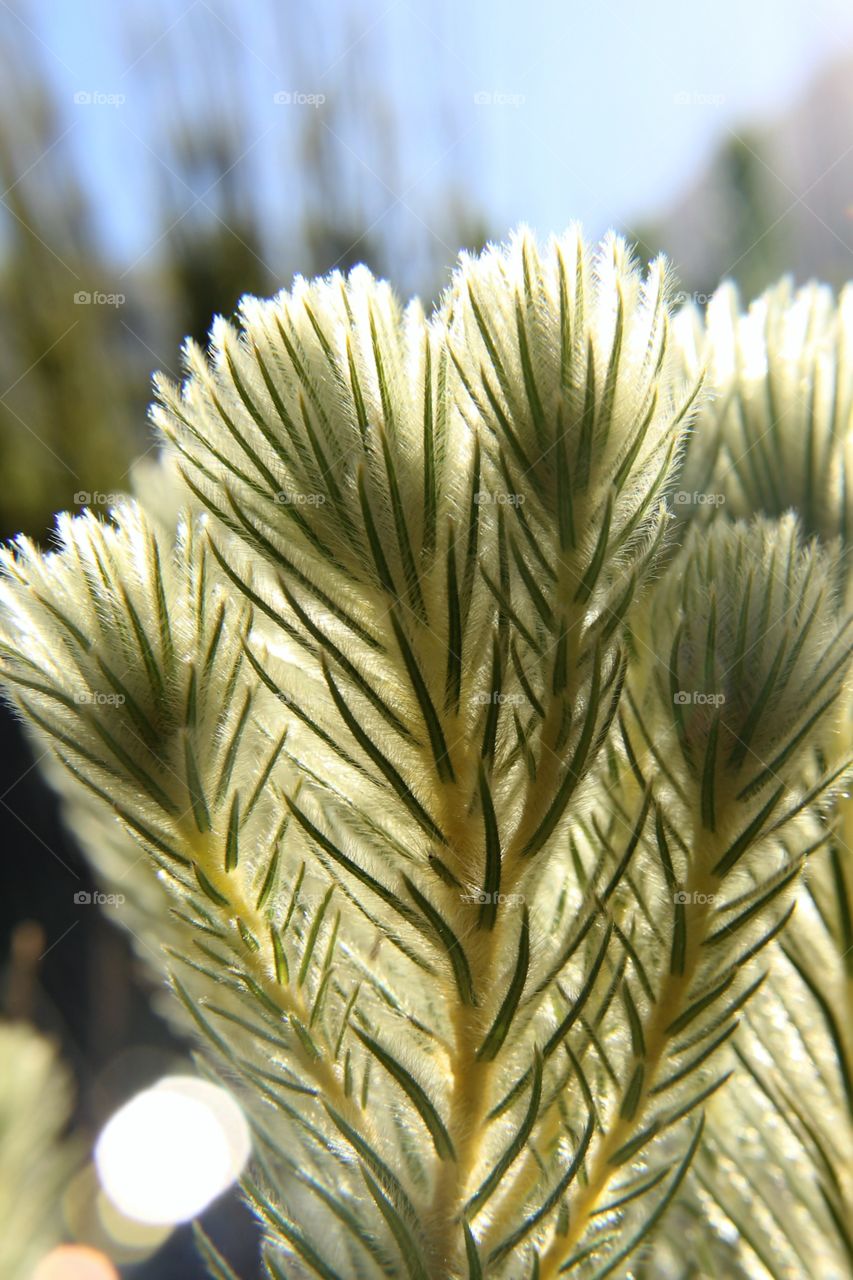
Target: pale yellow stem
671 1003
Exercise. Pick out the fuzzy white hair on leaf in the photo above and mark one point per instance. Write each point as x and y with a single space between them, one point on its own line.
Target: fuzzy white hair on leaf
467 798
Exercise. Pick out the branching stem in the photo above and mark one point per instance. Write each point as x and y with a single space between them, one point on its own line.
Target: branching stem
671 1003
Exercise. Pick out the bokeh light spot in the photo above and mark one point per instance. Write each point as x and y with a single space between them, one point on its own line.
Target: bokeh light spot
75 1262
171 1150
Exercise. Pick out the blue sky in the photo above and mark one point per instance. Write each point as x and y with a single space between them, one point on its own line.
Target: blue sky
601 111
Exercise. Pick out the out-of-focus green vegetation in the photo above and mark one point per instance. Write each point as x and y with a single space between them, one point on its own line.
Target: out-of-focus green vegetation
74 377
773 199
742 236
67 372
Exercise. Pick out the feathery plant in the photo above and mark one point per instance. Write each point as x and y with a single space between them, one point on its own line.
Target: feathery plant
775 436
775 1174
470 806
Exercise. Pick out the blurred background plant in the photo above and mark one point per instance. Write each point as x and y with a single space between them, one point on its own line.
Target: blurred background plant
36 1160
159 160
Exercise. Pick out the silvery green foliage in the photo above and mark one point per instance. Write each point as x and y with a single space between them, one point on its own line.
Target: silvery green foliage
773 434
466 875
36 1158
717 722
774 1176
